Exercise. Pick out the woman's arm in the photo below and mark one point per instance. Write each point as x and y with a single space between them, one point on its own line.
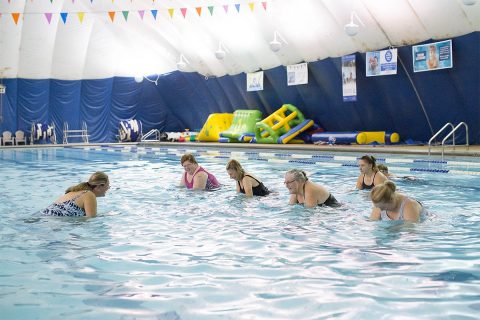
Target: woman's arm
182 180
375 215
247 186
90 204
359 182
200 181
293 199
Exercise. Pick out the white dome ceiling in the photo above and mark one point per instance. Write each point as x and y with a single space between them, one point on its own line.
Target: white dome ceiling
89 45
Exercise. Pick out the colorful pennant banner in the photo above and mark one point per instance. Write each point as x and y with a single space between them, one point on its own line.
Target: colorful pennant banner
111 14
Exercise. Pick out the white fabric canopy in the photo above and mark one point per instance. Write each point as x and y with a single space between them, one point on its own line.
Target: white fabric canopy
97 47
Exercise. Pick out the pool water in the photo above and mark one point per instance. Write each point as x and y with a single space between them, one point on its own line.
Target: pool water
157 251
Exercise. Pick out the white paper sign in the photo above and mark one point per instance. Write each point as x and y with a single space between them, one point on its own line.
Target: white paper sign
255 81
297 74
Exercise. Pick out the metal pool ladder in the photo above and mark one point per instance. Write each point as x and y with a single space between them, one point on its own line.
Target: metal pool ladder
155 133
451 133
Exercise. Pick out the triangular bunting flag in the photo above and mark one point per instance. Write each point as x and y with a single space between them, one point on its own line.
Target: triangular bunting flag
210 8
51 1
73 1
225 7
237 6
199 11
64 16
8 1
170 12
125 15
48 15
113 1
251 5
111 14
154 14
91 1
15 16
264 4
141 13
80 16
0 14
184 11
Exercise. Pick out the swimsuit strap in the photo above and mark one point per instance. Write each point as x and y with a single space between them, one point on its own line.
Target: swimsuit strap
79 195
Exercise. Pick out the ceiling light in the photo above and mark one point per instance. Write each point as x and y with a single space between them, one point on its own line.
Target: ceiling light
221 52
276 45
469 2
352 28
182 63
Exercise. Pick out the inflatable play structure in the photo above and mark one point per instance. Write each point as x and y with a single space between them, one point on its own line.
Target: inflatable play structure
362 137
130 130
282 126
243 126
43 133
216 123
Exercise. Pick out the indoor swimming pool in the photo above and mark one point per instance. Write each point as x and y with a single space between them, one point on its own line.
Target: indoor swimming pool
157 251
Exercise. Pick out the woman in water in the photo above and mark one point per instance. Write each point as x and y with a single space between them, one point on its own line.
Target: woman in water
80 200
246 183
195 177
304 191
390 205
369 175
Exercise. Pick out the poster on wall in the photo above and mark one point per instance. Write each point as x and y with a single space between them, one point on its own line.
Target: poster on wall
381 63
349 78
432 56
297 74
255 81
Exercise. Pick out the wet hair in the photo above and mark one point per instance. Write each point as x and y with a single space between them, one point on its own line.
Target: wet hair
382 167
233 164
370 160
383 192
97 179
298 175
188 157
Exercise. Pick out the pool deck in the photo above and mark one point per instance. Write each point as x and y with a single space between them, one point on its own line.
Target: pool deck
471 151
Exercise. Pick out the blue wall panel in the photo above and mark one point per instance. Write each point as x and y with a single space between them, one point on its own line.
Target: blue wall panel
184 100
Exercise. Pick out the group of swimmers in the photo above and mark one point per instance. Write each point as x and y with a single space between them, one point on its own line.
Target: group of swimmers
80 200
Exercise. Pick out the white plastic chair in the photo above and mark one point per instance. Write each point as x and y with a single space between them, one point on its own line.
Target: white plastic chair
7 138
20 137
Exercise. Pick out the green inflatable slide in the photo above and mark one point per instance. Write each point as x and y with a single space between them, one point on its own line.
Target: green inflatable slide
243 126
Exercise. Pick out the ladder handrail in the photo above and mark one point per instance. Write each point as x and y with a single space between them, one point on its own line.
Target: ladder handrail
155 132
438 132
453 132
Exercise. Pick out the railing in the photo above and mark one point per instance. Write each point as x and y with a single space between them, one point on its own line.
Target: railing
453 133
83 133
436 134
154 132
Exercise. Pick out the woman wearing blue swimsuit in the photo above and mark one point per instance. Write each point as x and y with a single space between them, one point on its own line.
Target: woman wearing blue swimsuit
80 200
390 205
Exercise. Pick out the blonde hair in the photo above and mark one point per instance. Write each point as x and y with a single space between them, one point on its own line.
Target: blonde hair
382 167
298 175
188 157
233 164
97 179
383 192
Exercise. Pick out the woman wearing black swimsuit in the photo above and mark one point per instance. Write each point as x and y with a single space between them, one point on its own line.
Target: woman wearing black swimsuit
246 183
369 176
303 191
